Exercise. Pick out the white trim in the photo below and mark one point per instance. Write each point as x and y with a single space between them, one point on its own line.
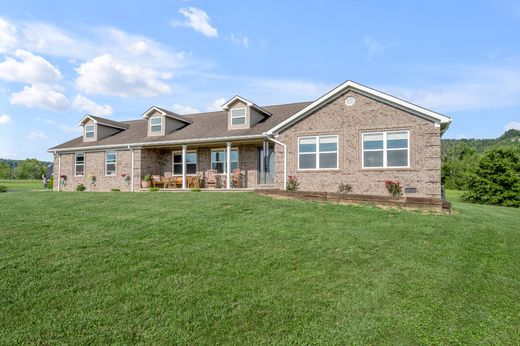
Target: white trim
75 164
350 85
106 163
238 117
384 150
146 115
250 104
187 152
184 147
153 144
228 165
317 153
81 123
59 172
284 160
133 167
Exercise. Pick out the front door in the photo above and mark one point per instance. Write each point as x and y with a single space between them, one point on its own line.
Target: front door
266 163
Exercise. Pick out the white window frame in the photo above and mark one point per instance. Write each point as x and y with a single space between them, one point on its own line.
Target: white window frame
239 117
76 164
107 163
385 149
187 152
93 131
225 159
162 124
318 152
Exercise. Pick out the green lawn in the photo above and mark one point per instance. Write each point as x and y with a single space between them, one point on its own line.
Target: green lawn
224 268
22 185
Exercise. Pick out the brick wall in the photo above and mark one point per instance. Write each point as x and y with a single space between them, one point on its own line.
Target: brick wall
348 123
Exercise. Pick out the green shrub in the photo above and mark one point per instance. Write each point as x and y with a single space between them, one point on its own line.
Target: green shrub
344 188
115 190
292 183
496 179
147 177
394 188
80 187
50 183
3 188
196 190
154 189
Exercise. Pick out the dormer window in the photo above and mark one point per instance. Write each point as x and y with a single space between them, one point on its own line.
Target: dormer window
156 125
90 131
238 116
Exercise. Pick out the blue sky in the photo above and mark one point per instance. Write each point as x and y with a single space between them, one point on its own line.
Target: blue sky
62 59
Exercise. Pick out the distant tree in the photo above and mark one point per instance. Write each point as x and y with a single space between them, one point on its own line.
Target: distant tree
30 169
5 171
457 161
496 179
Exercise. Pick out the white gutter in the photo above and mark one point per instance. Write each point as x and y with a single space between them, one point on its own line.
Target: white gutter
284 160
153 144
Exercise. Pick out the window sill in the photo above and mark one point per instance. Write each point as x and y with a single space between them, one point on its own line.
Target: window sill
388 169
319 170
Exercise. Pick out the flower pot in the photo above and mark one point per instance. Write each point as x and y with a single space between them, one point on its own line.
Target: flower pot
146 184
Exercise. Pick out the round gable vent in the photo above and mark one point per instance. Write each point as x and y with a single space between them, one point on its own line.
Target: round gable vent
349 101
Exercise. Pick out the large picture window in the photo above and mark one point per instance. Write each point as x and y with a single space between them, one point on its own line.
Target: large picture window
191 163
386 149
110 163
318 152
238 116
156 125
79 165
218 160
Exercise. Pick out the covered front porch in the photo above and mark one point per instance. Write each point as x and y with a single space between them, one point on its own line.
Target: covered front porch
226 166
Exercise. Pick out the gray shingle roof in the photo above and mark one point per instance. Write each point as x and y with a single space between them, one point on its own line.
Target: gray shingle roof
204 125
109 122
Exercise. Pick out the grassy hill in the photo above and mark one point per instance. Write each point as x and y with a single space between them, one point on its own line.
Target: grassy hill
238 268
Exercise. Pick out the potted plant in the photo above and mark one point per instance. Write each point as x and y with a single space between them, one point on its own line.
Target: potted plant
394 188
146 182
126 178
63 180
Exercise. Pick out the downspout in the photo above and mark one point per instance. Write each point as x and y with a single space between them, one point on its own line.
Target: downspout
132 175
59 172
284 157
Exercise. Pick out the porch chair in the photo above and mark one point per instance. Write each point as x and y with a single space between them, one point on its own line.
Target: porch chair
158 181
195 182
211 178
168 180
235 178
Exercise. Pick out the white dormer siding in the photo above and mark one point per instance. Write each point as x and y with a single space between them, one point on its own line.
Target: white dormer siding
243 114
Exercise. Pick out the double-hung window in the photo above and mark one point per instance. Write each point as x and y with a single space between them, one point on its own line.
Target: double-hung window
79 165
89 131
238 116
386 149
318 152
156 125
218 160
110 163
191 163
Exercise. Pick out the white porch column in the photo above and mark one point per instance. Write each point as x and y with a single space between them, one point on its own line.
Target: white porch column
228 165
184 147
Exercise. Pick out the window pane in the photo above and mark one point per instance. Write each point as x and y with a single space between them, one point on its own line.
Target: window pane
156 128
307 161
89 134
218 156
111 157
177 169
234 165
89 128
191 168
218 166
240 112
307 145
329 160
328 143
397 158
177 158
156 121
373 141
191 158
238 121
373 158
397 140
79 169
80 159
111 169
234 155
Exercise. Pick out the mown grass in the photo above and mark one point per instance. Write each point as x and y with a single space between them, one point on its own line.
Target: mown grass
223 268
22 185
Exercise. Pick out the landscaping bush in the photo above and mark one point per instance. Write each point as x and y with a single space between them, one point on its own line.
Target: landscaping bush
196 190
115 190
3 188
50 183
154 189
394 188
496 179
80 187
292 183
344 188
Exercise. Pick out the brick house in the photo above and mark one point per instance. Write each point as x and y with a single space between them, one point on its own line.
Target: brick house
353 135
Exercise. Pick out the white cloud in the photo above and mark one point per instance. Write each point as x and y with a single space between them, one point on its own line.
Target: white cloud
198 20
29 68
86 105
238 39
108 76
216 105
513 125
7 36
40 95
36 135
374 47
182 109
5 119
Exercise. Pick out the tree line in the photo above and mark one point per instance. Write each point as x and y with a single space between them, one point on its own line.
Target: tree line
487 170
22 169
